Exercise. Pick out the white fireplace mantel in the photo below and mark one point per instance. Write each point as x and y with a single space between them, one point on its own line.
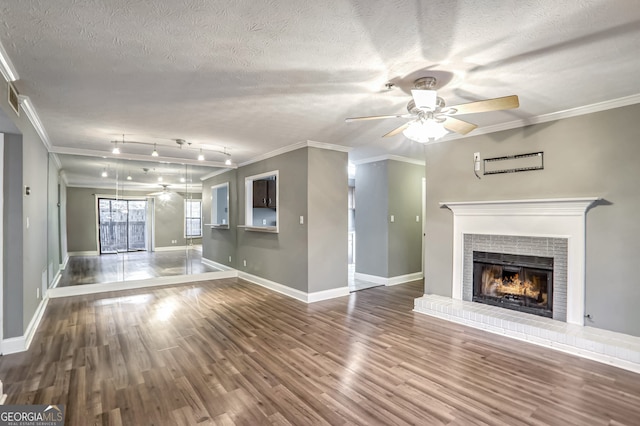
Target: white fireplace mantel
552 218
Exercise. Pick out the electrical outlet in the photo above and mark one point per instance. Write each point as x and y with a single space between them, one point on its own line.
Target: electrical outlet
264 221
37 293
229 258
244 262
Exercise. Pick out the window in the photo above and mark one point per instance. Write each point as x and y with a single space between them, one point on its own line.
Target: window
261 202
193 218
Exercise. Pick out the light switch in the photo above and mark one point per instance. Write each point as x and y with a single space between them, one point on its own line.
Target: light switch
417 218
393 218
301 220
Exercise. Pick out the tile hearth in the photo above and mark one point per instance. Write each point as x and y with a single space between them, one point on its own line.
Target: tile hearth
605 346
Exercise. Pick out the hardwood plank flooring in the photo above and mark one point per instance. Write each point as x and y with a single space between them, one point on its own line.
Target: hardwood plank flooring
129 266
228 352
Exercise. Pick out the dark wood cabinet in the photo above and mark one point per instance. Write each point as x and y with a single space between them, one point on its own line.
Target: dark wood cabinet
264 193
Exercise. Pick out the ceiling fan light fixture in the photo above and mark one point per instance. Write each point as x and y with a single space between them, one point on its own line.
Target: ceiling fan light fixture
116 149
228 162
425 99
155 151
425 131
201 156
104 173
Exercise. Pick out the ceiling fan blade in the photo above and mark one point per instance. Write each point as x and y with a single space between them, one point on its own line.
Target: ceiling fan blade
397 130
376 117
497 104
458 126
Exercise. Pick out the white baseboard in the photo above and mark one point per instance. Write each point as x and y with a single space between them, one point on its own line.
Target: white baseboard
400 279
292 292
83 253
272 285
14 345
333 293
64 263
56 279
80 290
171 248
216 265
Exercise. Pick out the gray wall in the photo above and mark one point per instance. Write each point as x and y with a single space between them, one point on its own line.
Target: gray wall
280 257
13 305
34 159
219 244
405 203
372 239
384 248
327 222
590 155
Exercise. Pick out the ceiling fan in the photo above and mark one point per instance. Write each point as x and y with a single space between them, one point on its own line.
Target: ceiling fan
165 190
431 118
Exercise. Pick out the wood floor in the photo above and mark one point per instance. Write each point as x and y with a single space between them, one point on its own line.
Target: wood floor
229 352
140 265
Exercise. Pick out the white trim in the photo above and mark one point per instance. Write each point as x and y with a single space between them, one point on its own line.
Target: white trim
17 344
79 290
63 176
292 292
139 157
82 253
274 286
13 345
56 159
600 345
551 218
293 147
6 66
35 321
389 157
391 281
216 265
545 118
172 248
34 118
248 203
332 293
65 262
215 173
56 280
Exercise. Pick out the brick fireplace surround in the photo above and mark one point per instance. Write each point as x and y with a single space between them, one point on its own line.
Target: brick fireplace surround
552 227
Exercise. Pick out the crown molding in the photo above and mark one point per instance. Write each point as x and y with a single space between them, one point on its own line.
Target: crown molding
389 157
545 118
137 157
34 118
295 146
6 66
213 174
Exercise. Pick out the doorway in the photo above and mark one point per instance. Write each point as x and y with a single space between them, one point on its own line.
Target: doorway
122 225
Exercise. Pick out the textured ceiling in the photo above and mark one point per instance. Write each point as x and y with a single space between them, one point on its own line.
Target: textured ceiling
255 76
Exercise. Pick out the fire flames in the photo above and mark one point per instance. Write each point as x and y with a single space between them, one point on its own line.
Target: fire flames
497 285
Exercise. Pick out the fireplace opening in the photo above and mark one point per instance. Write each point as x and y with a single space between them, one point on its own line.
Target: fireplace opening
518 282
